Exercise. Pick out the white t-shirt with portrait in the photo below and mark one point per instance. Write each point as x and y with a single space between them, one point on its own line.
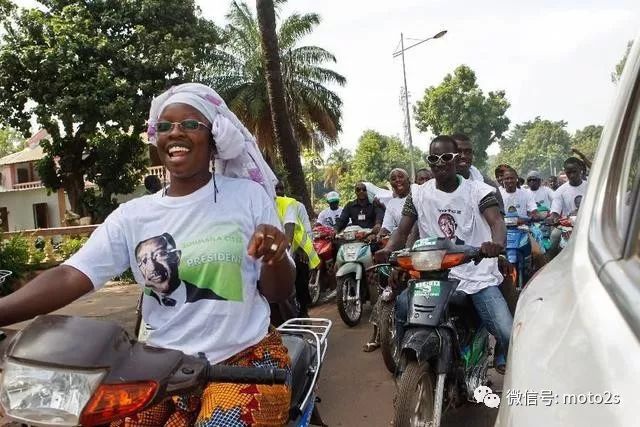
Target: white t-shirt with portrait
567 198
393 213
329 217
543 196
199 243
519 201
457 216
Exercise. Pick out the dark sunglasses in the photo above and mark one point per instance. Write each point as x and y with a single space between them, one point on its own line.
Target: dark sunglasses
189 125
446 157
360 189
533 179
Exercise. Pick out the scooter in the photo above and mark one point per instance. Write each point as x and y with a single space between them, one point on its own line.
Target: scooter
444 354
519 250
354 286
69 371
322 279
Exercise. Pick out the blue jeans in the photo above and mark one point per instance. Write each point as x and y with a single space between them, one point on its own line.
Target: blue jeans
491 308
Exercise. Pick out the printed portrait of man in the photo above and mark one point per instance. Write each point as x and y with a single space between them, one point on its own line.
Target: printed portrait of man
577 201
448 225
158 259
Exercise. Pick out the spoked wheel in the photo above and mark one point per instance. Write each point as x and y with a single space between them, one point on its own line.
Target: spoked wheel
388 343
415 400
349 302
314 286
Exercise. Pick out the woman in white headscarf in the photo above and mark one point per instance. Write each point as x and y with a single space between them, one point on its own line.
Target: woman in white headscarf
210 252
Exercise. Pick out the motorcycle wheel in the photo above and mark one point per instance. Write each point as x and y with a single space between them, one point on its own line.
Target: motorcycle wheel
350 311
415 399
314 286
388 343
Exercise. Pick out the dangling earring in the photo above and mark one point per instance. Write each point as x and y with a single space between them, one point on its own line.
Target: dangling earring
213 171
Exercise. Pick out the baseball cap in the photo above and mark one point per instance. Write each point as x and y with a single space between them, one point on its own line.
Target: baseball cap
333 196
534 175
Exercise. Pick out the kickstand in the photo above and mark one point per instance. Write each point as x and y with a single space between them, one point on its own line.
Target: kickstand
316 419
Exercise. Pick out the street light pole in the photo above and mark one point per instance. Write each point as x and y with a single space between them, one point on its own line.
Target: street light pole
408 113
406 91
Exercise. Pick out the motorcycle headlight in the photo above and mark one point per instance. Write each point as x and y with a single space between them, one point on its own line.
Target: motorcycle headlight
46 396
511 221
350 235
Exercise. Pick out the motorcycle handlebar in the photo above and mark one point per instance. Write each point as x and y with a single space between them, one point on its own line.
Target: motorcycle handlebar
248 375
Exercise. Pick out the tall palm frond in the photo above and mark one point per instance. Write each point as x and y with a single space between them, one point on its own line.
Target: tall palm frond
237 73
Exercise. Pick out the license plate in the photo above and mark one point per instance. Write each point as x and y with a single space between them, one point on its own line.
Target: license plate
427 289
351 251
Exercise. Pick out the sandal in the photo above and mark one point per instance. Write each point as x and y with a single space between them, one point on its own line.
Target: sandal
370 346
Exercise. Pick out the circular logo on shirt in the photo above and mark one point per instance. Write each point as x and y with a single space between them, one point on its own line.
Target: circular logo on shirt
577 201
512 209
448 225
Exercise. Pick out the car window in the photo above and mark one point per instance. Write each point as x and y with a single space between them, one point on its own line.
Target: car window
629 180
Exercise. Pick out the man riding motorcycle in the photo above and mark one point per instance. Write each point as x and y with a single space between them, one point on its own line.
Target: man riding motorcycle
401 185
361 212
520 202
329 216
467 212
542 195
567 198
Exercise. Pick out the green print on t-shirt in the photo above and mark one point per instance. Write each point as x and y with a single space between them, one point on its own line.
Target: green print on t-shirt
213 260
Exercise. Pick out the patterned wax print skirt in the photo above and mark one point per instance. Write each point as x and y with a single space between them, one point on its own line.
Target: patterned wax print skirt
228 404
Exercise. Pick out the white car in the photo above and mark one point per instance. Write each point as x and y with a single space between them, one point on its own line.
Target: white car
574 357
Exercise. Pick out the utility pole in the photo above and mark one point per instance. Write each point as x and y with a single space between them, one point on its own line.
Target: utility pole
406 92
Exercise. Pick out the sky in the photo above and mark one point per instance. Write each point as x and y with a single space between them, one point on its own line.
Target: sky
552 58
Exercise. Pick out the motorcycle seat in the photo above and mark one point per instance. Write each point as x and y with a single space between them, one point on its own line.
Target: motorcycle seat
302 356
461 299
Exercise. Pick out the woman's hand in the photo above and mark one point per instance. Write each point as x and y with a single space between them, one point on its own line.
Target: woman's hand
268 243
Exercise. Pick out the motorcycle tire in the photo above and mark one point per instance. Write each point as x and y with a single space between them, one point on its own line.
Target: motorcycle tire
344 285
415 399
314 288
388 343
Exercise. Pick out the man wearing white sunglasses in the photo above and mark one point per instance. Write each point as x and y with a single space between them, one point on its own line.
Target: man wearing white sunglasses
468 213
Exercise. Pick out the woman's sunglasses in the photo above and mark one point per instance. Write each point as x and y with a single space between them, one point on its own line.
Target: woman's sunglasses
434 159
189 125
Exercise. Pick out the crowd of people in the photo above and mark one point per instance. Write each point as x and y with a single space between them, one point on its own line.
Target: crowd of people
220 243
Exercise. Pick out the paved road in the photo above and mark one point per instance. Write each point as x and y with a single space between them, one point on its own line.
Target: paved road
355 387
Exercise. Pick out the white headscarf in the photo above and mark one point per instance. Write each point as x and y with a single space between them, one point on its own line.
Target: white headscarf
237 151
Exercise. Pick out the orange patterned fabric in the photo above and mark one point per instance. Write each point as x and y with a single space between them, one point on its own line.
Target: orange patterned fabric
228 404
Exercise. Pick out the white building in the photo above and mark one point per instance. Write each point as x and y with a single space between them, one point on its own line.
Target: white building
24 202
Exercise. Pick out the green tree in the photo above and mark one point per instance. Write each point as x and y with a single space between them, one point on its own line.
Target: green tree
10 141
540 145
87 70
375 156
615 76
459 105
586 140
239 75
337 165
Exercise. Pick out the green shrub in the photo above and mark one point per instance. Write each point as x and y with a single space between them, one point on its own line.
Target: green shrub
126 277
14 256
71 245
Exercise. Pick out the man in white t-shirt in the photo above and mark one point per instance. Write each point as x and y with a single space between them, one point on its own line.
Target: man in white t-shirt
466 212
516 200
401 185
541 195
567 198
465 166
329 216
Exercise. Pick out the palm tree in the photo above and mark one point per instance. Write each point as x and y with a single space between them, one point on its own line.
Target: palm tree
338 164
238 74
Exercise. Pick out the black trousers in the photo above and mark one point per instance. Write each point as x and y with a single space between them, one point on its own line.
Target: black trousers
302 283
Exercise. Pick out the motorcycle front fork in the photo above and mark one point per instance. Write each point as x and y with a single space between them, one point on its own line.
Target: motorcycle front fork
439 399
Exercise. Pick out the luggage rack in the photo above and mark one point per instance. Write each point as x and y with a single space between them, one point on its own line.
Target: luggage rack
314 330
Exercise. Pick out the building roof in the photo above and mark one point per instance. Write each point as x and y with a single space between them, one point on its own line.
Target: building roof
32 152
